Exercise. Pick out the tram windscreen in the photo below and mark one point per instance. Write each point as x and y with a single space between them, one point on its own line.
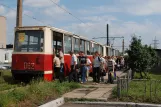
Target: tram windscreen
29 41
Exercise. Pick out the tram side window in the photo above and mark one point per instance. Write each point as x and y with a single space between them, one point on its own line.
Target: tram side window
76 45
101 50
67 44
88 48
92 49
96 48
82 45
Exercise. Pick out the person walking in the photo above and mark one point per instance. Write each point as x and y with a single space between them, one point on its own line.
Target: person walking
96 68
56 62
103 68
73 75
61 57
111 69
83 70
115 64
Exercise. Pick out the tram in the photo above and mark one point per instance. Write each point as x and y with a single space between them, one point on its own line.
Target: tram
33 50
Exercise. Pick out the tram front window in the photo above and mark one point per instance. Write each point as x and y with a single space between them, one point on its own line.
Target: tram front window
29 41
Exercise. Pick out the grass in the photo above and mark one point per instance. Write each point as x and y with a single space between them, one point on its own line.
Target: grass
7 82
33 94
140 91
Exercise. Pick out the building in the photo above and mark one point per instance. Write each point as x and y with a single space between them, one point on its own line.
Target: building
157 67
3 31
5 50
6 55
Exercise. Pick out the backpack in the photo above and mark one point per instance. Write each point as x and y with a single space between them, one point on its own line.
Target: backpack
99 59
110 65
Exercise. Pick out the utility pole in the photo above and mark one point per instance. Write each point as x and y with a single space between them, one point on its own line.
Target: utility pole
123 43
19 14
155 43
107 36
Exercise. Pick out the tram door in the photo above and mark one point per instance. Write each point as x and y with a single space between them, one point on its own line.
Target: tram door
57 45
57 42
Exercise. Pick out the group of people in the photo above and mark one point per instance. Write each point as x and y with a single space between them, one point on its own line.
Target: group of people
81 66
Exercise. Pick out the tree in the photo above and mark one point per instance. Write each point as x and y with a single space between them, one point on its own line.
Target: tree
141 57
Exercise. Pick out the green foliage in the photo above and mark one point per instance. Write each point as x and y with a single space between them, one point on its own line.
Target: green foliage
36 93
141 57
137 93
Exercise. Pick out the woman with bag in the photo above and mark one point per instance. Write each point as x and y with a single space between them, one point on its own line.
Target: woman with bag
111 68
102 67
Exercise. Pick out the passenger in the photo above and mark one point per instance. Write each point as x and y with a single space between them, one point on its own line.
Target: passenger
56 62
42 47
61 57
61 60
118 61
122 62
102 68
96 68
111 67
74 68
115 64
83 70
93 67
88 65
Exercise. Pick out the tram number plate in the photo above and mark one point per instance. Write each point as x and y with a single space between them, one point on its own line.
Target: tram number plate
29 66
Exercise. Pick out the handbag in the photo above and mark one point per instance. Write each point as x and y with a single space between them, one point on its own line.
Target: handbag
104 73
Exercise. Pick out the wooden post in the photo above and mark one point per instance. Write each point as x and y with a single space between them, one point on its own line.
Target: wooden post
150 89
0 73
118 87
19 13
145 90
127 84
155 88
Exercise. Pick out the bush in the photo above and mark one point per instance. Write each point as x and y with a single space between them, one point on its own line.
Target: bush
141 57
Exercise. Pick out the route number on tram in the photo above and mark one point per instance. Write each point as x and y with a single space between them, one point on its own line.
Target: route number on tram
29 66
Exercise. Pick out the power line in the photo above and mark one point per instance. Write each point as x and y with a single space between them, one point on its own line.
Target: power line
25 14
73 15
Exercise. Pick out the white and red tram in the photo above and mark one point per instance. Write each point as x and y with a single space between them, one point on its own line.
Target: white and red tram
33 50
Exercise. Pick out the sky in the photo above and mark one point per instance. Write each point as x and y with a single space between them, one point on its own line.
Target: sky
90 17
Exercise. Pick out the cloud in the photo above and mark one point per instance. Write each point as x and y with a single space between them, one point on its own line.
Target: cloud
39 3
117 28
54 10
26 12
133 7
95 19
2 9
11 14
143 7
99 10
105 18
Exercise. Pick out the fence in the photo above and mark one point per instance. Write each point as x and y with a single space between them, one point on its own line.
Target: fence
140 88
